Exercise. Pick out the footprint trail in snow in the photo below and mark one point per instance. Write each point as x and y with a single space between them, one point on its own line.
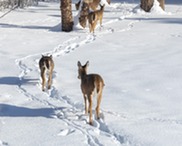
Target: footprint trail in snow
72 114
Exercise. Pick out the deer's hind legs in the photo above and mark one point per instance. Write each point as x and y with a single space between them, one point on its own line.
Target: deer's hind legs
43 79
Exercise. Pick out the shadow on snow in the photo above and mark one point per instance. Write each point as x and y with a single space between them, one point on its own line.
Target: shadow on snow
17 111
17 81
159 20
56 28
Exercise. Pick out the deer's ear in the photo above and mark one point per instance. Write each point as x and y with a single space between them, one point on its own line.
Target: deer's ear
79 64
87 63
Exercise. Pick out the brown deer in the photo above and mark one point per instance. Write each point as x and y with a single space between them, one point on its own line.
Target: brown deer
90 83
95 16
92 5
46 65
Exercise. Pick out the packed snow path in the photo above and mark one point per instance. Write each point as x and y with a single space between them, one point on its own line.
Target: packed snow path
72 114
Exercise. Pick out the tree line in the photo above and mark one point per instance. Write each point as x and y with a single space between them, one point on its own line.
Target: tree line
16 3
67 18
66 9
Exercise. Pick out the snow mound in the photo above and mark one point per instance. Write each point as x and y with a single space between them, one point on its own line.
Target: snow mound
156 9
138 10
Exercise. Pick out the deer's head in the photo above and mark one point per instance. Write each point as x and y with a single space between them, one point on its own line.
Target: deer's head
82 70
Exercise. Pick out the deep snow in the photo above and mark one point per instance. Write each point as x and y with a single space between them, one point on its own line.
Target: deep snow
137 54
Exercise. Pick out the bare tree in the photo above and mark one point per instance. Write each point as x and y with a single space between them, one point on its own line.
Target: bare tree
17 3
162 4
146 5
66 15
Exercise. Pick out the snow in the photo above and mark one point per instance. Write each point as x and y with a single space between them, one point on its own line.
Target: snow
138 55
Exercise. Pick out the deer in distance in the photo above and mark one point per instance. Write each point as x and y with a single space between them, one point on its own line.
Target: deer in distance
92 5
94 17
46 65
90 84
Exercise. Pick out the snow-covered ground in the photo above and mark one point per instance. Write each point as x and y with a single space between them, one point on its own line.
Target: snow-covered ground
138 55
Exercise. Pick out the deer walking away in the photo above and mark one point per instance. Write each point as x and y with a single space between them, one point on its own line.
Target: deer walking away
46 65
92 5
94 17
90 83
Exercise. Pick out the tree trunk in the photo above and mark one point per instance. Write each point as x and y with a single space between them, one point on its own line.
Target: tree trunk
66 15
162 4
20 3
83 14
146 5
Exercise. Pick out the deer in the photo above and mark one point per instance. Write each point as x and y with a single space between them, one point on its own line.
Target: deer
90 83
93 4
95 16
46 65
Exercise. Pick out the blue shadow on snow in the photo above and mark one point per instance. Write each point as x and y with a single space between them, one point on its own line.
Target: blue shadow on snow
16 111
56 28
16 81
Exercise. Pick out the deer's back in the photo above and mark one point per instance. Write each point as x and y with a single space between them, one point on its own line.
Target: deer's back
46 62
94 4
91 82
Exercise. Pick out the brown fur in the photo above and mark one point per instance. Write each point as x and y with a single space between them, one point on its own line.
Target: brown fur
89 84
95 16
92 5
46 65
